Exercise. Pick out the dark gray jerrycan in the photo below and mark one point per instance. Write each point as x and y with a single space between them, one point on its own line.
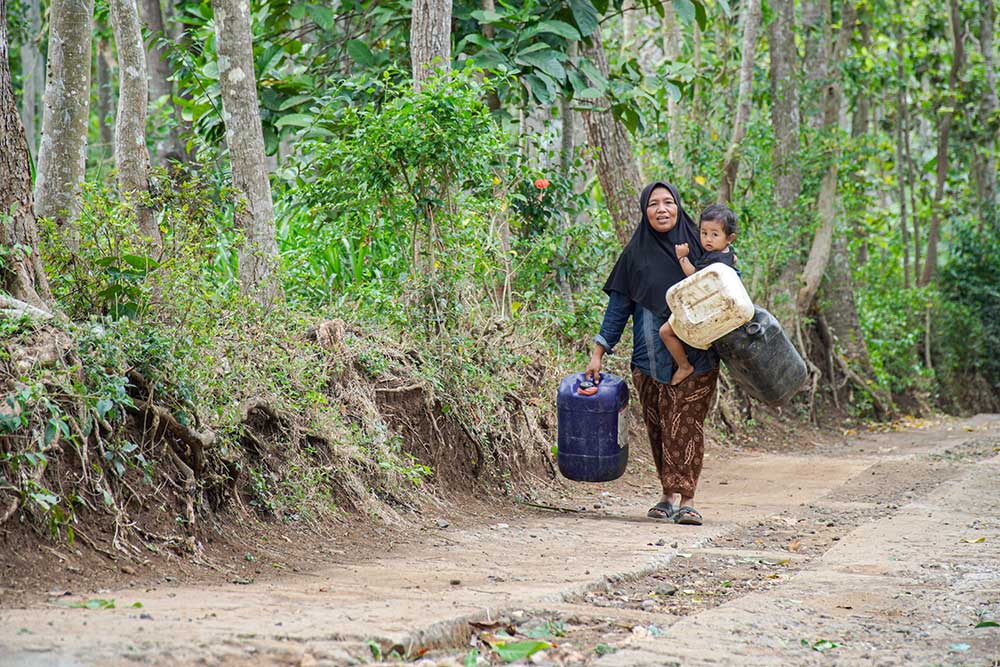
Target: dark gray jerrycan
762 360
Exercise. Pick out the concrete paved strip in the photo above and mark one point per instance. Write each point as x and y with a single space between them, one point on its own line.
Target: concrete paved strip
902 590
409 595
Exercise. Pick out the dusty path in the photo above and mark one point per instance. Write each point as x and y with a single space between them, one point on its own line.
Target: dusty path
885 551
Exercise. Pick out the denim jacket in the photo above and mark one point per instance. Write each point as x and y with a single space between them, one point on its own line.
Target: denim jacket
649 354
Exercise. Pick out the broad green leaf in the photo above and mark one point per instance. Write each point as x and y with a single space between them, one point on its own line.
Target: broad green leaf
296 120
541 87
672 90
45 500
359 51
295 100
597 79
685 11
322 16
104 406
586 16
139 263
559 28
724 6
487 16
545 61
987 624
514 651
700 14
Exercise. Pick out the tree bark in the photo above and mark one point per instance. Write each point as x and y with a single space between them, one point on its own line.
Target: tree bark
21 274
787 144
32 76
567 116
489 32
945 116
430 38
131 153
105 103
62 152
731 162
838 304
672 43
258 251
988 111
826 204
170 145
617 170
901 128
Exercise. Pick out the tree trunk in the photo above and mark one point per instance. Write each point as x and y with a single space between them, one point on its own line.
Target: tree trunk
900 143
62 152
945 115
672 43
617 170
817 36
731 162
838 304
430 38
21 274
32 76
169 146
826 204
105 103
567 143
258 252
131 153
989 109
787 173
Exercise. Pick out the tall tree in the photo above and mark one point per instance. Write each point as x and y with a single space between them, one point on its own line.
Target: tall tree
989 121
731 161
430 38
105 102
169 145
131 153
787 144
567 119
672 43
902 140
63 148
944 118
21 274
826 202
32 75
258 253
617 170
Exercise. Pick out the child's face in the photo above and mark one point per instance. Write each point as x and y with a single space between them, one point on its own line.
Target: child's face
714 237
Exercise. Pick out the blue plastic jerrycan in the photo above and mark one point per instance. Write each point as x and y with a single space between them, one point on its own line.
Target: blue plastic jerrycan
592 430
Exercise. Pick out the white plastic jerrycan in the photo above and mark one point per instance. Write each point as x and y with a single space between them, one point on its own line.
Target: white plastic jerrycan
708 304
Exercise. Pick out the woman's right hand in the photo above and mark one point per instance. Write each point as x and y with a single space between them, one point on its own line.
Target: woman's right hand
593 372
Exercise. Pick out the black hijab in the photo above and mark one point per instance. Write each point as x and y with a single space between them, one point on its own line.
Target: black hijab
648 265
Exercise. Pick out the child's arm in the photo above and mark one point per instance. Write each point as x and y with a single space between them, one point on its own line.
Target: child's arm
682 256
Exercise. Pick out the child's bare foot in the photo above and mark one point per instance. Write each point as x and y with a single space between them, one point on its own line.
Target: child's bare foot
681 374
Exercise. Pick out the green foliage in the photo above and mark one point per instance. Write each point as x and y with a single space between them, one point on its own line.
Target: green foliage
969 328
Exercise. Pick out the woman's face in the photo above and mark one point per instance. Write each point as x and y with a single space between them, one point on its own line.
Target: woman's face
661 210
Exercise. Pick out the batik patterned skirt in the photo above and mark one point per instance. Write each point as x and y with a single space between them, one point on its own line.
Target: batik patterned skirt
675 422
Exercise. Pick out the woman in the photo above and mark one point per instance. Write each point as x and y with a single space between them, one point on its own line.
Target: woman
636 288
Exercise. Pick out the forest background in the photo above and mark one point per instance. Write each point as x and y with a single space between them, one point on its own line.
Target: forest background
279 258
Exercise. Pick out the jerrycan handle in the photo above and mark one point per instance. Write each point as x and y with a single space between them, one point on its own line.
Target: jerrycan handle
587 388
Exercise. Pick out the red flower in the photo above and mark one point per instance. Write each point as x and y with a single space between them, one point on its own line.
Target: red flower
542 183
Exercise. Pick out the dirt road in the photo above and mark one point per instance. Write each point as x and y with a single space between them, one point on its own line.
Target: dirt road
884 551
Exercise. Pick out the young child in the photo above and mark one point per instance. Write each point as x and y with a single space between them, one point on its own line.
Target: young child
717 227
